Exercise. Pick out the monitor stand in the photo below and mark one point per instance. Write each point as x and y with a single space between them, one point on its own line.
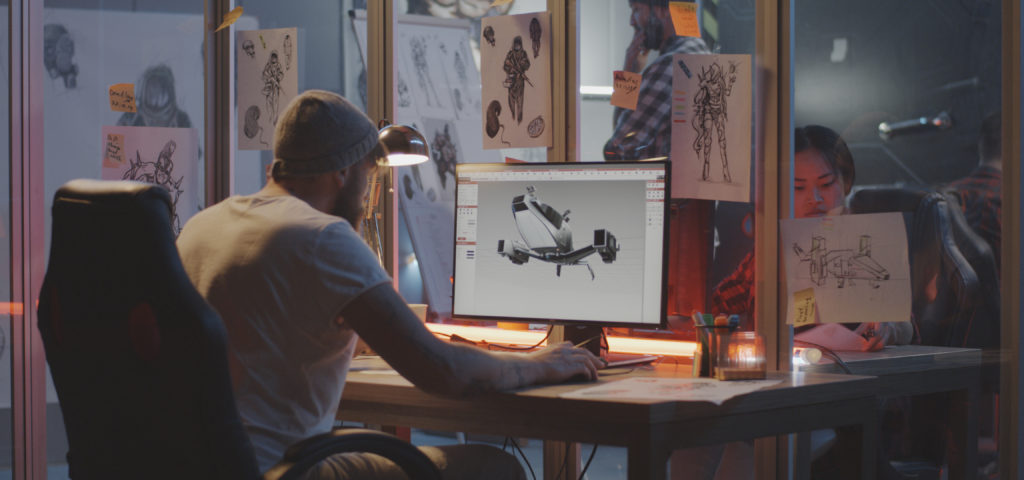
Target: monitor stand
585 336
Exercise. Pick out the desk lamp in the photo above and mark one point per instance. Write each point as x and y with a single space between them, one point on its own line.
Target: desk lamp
403 146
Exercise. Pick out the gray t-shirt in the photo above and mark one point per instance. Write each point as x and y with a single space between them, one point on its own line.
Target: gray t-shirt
279 272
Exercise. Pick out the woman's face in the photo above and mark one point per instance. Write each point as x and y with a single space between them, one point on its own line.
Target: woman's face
817 190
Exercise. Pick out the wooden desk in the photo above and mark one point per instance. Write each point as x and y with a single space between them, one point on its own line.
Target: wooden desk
919 370
649 429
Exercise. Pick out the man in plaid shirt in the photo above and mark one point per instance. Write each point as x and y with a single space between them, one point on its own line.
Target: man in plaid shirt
647 131
980 192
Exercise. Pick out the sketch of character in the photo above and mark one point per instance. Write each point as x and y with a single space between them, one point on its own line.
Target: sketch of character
404 98
272 76
249 48
287 51
844 265
445 155
58 53
535 36
493 124
252 126
419 60
156 102
516 65
709 106
489 34
160 172
472 9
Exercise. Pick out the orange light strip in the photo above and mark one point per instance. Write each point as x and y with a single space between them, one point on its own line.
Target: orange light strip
12 308
529 337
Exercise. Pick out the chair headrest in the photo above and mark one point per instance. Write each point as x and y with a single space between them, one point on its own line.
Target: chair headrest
112 192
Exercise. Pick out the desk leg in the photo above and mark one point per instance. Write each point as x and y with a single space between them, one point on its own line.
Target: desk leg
556 461
963 426
802 456
646 462
857 446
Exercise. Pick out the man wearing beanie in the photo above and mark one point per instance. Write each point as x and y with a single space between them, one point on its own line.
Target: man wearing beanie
295 284
646 132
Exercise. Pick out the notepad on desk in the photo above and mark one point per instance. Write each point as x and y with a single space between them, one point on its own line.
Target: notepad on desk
617 359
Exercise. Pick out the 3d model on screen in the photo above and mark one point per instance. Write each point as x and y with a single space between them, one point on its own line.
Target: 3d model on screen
845 265
548 238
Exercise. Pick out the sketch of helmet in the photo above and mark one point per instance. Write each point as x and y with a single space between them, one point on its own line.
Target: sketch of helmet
157 102
252 121
517 43
249 48
58 53
489 35
493 124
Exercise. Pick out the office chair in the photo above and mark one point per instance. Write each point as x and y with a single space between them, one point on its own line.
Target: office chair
139 358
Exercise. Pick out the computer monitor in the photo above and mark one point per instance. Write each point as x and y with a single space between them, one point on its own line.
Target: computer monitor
565 243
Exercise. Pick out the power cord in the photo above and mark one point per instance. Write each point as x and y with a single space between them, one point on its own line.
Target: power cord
828 352
515 445
589 459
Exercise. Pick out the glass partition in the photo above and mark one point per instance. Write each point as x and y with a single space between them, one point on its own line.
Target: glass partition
123 99
897 115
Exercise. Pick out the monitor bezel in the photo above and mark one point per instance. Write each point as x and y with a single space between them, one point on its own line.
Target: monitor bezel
663 314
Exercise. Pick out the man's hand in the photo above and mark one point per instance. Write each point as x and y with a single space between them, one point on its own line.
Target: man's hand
877 334
563 361
636 54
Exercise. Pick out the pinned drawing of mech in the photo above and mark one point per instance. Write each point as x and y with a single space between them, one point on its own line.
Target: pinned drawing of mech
710 115
160 173
548 236
517 62
272 76
844 265
444 154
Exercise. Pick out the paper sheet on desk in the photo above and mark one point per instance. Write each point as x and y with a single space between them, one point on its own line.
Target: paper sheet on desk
834 336
677 389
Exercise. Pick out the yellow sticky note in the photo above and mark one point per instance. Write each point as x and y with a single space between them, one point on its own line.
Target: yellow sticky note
122 97
684 18
803 302
498 3
113 151
626 89
230 18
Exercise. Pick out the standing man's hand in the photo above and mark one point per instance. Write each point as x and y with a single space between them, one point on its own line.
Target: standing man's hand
636 54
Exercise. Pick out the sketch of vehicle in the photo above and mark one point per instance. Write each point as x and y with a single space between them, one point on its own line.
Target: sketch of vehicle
845 265
548 238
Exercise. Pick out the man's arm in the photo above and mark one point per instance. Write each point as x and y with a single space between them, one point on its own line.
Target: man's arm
383 320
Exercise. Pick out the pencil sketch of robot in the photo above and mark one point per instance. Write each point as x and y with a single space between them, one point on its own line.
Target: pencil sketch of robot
287 47
272 76
845 265
489 35
249 48
516 65
252 127
418 47
548 238
442 148
404 99
535 36
159 172
711 114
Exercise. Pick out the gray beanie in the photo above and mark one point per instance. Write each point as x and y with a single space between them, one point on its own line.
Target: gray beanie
320 132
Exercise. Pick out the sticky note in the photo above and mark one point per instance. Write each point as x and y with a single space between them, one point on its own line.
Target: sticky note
122 97
230 18
498 3
625 89
684 18
803 302
113 150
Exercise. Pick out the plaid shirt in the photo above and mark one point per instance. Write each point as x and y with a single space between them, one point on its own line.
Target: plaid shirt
980 200
735 293
651 122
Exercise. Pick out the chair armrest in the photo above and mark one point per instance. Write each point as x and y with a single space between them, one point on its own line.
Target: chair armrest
307 453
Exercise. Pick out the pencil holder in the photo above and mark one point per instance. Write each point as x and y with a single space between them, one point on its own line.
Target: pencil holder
739 356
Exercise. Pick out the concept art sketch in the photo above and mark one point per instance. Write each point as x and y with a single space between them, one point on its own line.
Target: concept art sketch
249 48
845 265
535 36
418 47
444 154
489 35
252 124
404 97
272 76
710 115
493 125
159 172
536 127
516 65
156 101
548 238
58 54
287 52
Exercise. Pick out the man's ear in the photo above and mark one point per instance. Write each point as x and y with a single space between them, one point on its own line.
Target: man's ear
339 176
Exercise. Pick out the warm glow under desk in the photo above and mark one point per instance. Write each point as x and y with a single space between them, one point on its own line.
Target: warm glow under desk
528 337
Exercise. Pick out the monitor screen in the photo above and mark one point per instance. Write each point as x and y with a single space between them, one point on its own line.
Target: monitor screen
562 242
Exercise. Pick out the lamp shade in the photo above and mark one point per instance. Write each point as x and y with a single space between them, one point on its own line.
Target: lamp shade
404 145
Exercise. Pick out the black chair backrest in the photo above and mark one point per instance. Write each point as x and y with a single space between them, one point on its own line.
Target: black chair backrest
137 356
951 302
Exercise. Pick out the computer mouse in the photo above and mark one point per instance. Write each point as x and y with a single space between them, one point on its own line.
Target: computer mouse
578 378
